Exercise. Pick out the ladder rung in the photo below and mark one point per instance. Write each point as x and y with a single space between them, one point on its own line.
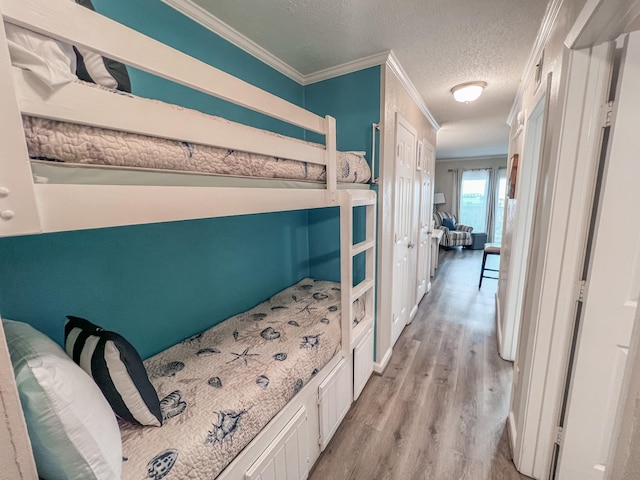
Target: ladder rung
361 198
361 329
361 288
362 247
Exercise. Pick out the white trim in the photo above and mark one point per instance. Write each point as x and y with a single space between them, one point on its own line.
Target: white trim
601 21
380 367
511 432
412 315
399 72
498 329
217 26
346 68
538 47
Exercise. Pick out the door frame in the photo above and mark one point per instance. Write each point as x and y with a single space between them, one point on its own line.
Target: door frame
544 358
527 188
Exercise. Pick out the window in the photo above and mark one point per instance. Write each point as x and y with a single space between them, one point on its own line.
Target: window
501 195
473 199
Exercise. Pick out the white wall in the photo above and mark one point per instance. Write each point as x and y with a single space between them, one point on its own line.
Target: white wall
395 99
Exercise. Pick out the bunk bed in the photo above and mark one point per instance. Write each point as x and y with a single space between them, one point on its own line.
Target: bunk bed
299 428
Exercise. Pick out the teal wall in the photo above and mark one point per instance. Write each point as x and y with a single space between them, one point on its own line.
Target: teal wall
157 284
154 284
354 100
161 22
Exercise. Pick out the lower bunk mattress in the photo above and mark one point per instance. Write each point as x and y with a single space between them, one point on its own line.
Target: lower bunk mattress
219 388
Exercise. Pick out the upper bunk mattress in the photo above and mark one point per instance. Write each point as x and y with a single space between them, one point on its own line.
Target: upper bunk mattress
81 144
219 388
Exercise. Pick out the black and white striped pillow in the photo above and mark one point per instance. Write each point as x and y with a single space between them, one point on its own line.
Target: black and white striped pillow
116 368
93 67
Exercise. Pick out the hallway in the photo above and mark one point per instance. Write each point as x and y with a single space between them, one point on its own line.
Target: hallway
439 410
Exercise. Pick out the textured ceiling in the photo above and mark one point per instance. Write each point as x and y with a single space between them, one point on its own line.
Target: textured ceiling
440 43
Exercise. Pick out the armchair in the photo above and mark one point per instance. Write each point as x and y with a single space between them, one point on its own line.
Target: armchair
461 236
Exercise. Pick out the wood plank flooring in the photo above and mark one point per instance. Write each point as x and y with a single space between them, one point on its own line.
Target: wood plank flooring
439 410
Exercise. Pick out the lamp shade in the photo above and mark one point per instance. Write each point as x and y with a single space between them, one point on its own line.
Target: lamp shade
438 199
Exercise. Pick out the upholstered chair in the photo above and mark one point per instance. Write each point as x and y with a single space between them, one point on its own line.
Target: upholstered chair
459 235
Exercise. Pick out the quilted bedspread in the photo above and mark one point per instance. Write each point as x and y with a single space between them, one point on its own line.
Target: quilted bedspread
75 143
219 388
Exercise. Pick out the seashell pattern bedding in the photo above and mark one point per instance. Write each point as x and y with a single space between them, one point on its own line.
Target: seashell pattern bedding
219 388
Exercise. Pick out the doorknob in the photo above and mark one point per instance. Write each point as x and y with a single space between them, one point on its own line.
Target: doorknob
411 245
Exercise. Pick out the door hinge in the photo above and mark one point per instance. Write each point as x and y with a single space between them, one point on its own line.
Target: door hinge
582 287
559 435
607 114
320 440
319 400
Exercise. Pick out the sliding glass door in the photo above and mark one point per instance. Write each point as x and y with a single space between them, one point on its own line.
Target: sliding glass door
482 198
473 199
501 198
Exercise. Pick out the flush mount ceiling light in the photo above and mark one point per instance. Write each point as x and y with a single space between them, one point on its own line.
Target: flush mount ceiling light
468 92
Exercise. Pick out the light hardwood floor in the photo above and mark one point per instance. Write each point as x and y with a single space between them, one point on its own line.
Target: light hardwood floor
438 411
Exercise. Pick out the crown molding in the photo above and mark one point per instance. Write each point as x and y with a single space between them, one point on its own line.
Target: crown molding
217 26
345 68
544 32
399 72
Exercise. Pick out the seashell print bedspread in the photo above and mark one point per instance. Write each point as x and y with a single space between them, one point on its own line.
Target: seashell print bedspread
75 143
219 388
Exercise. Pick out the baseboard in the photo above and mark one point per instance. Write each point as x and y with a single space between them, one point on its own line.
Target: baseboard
512 433
412 315
379 368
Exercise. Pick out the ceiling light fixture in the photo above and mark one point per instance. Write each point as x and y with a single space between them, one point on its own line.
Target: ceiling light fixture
468 92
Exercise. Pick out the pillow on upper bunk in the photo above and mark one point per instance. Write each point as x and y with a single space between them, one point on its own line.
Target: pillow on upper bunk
73 432
116 367
93 67
51 61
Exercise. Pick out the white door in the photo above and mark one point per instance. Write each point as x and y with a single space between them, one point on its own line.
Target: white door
613 284
403 195
414 227
424 223
526 186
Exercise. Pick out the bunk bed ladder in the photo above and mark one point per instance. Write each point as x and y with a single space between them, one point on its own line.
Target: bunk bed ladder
358 337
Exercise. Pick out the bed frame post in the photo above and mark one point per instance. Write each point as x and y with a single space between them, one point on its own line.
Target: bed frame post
346 268
331 158
18 209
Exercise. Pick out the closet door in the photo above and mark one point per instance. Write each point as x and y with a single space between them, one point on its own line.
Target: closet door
425 157
403 196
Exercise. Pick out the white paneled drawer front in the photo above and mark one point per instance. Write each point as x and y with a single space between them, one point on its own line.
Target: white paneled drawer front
362 363
287 457
335 396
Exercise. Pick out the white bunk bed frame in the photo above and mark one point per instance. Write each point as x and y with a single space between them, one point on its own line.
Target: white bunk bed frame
27 207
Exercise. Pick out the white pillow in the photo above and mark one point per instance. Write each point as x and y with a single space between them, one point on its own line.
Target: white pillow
53 62
73 431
